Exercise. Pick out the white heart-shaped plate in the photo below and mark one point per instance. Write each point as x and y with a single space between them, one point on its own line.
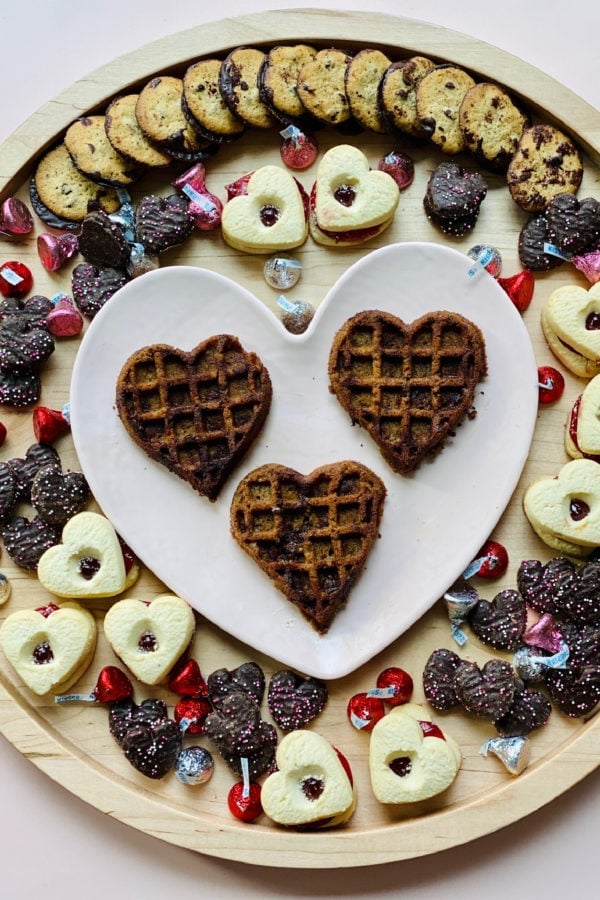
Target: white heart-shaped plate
434 521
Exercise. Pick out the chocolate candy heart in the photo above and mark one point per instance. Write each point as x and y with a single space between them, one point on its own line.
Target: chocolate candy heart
248 678
532 238
150 740
529 709
453 198
501 621
198 412
582 602
295 701
27 540
92 287
102 242
57 496
162 222
543 586
8 491
574 690
573 225
37 456
438 679
237 731
486 692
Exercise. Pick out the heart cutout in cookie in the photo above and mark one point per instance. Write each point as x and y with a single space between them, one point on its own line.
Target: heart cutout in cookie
187 542
311 534
349 195
311 783
566 508
407 764
407 385
197 412
150 638
49 651
572 313
269 216
88 563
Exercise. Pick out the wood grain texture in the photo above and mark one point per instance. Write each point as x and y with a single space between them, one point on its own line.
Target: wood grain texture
71 744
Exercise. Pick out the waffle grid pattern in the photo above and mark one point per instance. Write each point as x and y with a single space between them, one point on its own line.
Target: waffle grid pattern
195 412
311 534
407 384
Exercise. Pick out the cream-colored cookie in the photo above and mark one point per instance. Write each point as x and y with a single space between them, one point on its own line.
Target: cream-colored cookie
311 784
575 362
89 561
588 419
406 763
270 216
149 638
49 648
565 508
349 195
572 313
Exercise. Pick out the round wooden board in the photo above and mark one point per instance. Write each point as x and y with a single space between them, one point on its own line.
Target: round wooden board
71 742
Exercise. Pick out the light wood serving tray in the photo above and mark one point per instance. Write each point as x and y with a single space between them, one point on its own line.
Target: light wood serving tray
71 742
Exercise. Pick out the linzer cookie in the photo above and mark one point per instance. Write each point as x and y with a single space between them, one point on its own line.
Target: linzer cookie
408 385
311 534
571 325
564 510
545 163
195 412
582 434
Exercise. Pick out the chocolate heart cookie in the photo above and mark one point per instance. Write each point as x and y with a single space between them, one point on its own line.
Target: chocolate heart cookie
438 679
196 412
453 198
311 534
162 222
237 731
529 710
57 496
247 678
407 385
149 739
488 691
92 286
501 621
295 701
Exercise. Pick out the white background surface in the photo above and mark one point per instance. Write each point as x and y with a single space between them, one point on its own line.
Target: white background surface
52 845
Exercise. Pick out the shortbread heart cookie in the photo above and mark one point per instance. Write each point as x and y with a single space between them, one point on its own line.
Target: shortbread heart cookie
350 202
88 563
312 785
196 412
149 638
571 324
582 435
407 385
410 759
50 647
311 534
565 510
269 216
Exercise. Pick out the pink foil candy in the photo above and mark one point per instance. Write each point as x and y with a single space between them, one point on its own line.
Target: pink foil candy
544 634
15 219
589 264
205 208
55 250
64 320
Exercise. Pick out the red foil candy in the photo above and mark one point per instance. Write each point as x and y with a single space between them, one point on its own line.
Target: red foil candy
365 711
186 679
551 384
396 686
16 279
298 150
191 713
519 288
15 219
48 424
399 166
55 250
205 208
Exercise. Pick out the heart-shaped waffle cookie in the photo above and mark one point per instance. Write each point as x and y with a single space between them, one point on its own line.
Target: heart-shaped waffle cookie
312 533
196 412
407 385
